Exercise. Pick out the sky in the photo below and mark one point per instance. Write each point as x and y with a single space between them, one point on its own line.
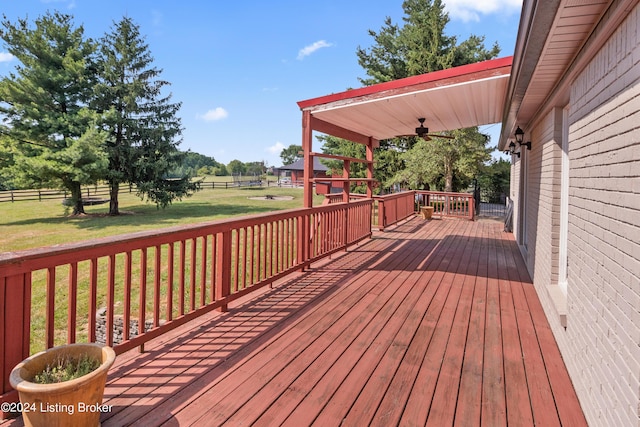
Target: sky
239 67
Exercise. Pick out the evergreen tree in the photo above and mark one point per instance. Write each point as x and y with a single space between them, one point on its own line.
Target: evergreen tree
419 46
53 134
142 123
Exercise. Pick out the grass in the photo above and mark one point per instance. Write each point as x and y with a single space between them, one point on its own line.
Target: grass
30 224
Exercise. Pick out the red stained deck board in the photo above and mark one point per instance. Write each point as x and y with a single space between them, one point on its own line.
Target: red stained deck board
356 336
325 319
401 356
300 403
432 321
193 392
469 404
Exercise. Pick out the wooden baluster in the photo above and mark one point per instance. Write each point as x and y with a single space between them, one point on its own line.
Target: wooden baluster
223 280
93 292
111 280
170 255
72 302
181 293
142 302
203 271
192 274
126 318
214 267
156 285
236 260
50 324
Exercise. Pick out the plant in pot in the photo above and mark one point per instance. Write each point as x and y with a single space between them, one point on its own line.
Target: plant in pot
76 400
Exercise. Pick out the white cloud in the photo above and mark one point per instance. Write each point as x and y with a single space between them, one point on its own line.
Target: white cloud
6 57
156 18
308 50
217 113
71 4
470 10
276 148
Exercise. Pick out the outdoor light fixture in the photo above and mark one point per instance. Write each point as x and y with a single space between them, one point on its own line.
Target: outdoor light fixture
512 149
520 137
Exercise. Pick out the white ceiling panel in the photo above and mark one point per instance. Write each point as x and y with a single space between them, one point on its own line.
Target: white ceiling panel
452 99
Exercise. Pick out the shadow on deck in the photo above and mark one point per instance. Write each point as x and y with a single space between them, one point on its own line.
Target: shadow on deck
434 322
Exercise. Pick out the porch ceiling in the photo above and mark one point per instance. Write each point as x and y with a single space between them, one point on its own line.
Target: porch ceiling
460 97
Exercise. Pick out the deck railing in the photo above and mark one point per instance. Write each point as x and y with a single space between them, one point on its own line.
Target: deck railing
458 205
149 283
395 207
392 208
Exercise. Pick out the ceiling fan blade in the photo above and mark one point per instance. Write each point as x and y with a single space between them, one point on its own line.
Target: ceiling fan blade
441 136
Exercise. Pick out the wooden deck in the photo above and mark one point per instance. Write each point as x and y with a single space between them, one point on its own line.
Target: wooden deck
431 323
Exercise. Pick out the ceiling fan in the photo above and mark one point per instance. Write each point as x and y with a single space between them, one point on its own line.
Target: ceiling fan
423 132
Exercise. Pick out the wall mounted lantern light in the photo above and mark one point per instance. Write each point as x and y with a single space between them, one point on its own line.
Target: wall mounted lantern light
520 137
512 149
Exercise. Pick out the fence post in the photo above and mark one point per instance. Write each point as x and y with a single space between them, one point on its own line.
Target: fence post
381 215
15 325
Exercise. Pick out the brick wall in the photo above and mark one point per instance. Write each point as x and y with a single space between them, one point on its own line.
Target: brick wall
543 205
601 345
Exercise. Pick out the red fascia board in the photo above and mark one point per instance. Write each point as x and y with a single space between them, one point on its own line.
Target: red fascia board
456 72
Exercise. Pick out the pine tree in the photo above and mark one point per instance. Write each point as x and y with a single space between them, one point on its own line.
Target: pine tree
53 133
421 46
143 125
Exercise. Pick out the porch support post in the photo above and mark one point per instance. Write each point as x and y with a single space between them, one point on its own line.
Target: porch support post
15 327
308 159
369 156
346 184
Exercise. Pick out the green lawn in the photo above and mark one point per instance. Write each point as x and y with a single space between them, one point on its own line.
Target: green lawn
29 224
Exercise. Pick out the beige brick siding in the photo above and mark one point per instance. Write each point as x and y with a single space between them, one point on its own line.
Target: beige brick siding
601 345
543 206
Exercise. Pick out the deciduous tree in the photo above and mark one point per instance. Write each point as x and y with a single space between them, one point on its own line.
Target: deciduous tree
291 154
444 164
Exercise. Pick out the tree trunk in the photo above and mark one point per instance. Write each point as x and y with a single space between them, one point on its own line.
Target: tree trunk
448 178
76 197
114 188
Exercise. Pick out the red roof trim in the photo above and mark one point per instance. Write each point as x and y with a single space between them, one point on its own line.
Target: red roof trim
435 76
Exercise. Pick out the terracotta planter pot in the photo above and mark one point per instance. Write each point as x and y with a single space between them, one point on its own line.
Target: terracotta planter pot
76 402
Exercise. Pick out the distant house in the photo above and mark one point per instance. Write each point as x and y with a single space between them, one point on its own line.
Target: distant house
575 93
295 171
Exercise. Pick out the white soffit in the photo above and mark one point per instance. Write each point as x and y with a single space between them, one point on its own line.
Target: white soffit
456 98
